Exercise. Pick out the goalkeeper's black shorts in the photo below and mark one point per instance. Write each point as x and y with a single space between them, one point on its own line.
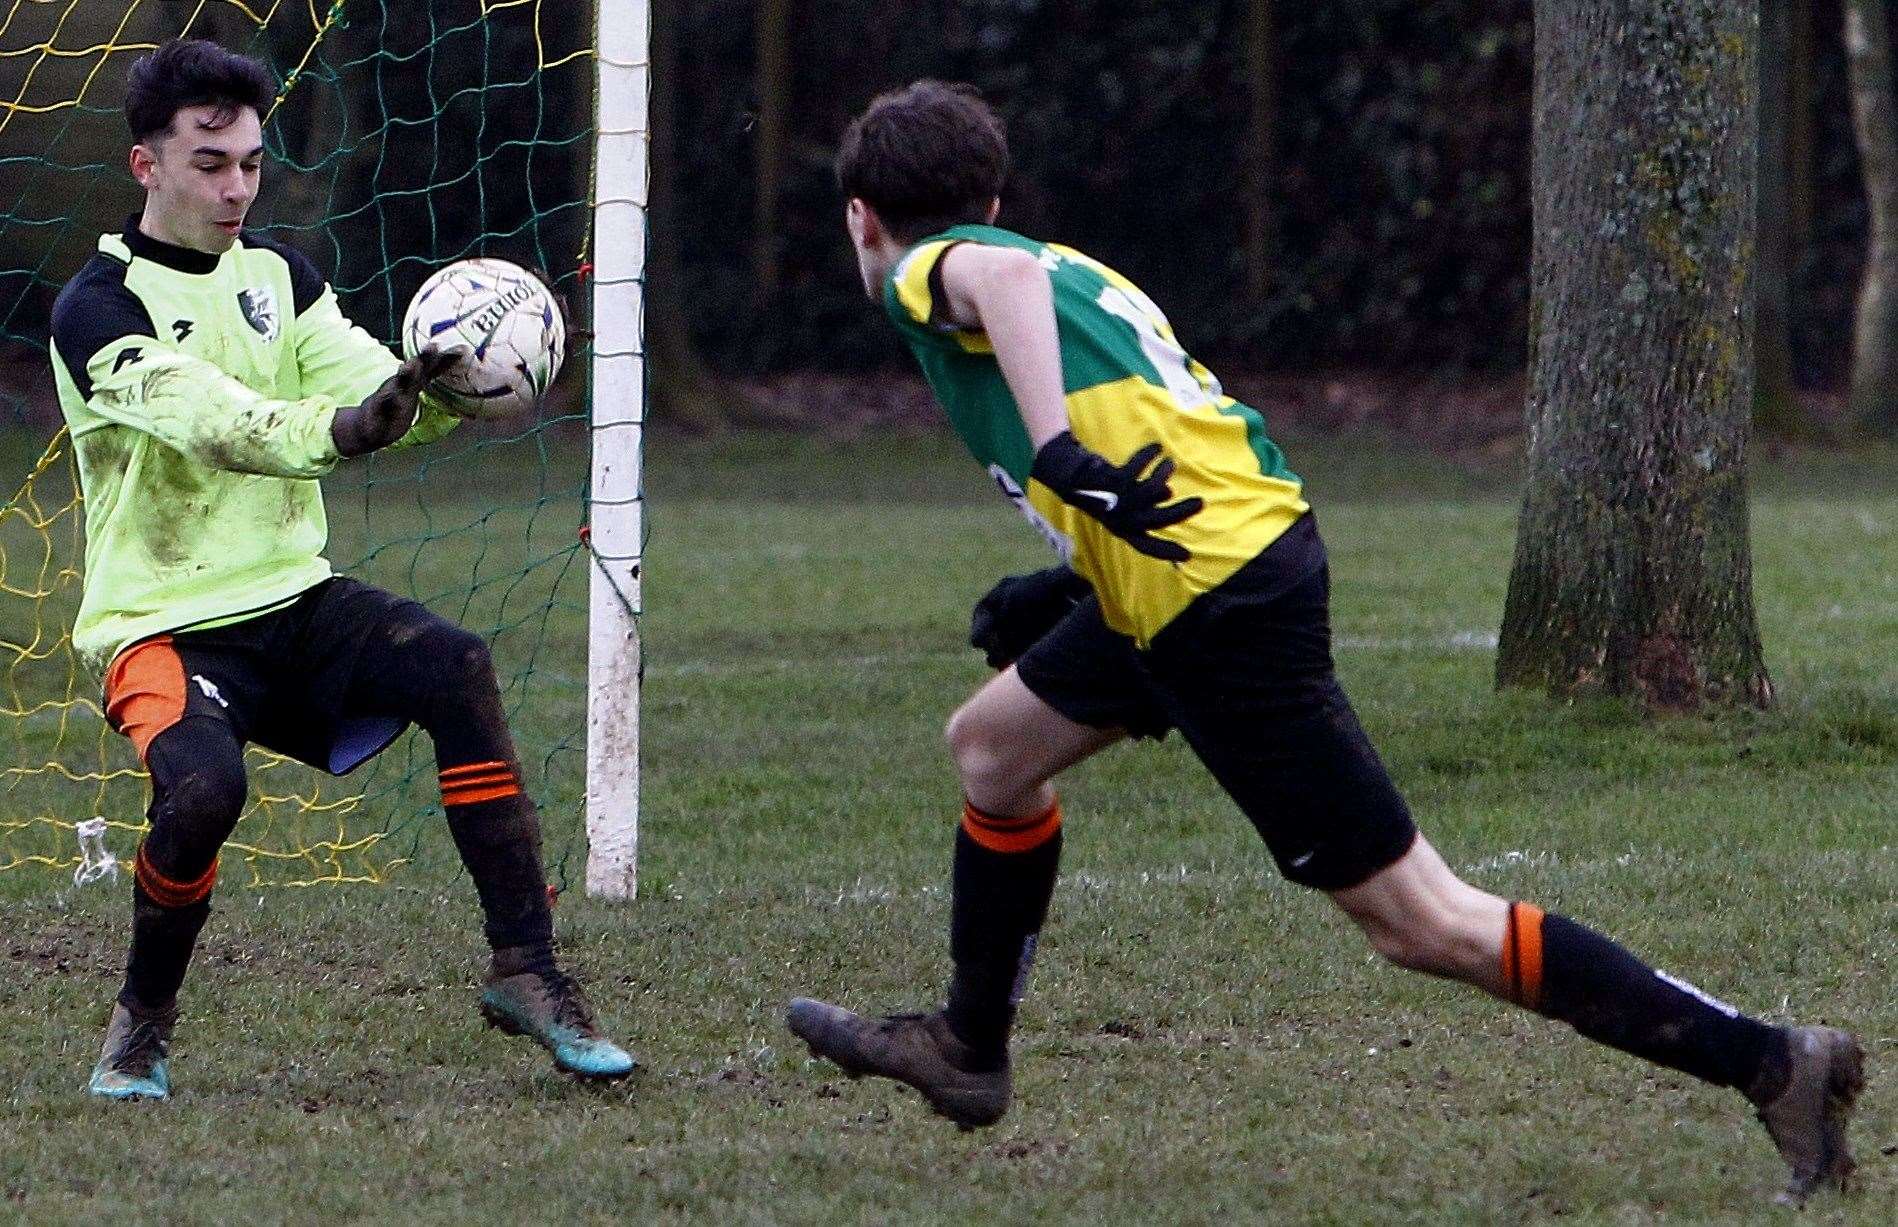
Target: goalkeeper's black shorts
1245 674
292 680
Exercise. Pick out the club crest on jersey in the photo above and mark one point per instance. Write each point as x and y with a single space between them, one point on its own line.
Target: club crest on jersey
260 311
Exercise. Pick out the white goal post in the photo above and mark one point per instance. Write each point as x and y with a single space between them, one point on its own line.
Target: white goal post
615 512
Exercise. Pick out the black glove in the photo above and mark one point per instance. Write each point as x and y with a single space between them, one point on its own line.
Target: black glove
1131 506
390 410
1021 609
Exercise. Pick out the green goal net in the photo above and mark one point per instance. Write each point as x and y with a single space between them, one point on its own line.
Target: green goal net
404 136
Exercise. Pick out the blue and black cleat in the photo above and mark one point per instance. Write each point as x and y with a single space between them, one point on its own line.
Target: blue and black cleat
133 1061
546 1005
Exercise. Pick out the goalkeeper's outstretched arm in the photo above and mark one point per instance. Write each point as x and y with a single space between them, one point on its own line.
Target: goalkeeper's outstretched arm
336 357
132 378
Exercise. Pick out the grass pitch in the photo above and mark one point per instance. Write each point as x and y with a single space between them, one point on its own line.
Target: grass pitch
1202 1044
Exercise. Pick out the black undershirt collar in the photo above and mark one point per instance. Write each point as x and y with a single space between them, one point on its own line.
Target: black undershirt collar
183 259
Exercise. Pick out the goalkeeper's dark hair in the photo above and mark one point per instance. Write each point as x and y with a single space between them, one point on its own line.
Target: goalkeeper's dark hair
193 72
926 157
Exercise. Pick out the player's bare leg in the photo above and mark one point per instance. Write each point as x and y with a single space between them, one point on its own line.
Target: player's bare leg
1804 1081
1008 745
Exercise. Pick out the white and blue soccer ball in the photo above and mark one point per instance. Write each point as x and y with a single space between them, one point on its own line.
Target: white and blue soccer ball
506 318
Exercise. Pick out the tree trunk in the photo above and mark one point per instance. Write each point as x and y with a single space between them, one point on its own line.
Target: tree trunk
1775 407
1874 403
1262 76
1633 575
772 84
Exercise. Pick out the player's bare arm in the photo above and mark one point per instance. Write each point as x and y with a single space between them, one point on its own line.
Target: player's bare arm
1005 292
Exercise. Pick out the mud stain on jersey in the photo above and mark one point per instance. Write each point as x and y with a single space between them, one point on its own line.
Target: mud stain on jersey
102 452
177 482
296 508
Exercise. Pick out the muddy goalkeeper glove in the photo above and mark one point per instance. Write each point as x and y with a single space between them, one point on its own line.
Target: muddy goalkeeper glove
390 410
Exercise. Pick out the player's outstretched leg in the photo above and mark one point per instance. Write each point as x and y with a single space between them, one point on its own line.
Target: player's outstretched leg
1804 1081
1806 1116
958 1056
919 1050
442 677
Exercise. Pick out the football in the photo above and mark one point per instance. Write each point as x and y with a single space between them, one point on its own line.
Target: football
509 321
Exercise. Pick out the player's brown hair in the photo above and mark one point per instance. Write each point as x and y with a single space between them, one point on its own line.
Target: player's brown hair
925 157
193 72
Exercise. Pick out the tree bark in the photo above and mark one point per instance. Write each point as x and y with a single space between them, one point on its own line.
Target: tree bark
1874 400
1633 574
1262 76
771 36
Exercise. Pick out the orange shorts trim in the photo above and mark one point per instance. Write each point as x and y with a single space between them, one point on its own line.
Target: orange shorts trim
145 691
1011 834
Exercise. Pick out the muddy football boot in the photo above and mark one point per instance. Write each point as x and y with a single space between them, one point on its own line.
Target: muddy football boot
918 1050
546 1005
132 1063
1807 1117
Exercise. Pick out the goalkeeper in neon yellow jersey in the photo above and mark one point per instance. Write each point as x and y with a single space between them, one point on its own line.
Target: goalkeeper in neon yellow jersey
209 378
1194 597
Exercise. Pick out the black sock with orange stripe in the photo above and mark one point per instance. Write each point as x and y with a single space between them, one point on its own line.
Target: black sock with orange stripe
1570 973
167 916
1004 877
497 831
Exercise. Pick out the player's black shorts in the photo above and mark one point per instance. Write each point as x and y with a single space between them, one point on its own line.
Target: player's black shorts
290 680
1245 674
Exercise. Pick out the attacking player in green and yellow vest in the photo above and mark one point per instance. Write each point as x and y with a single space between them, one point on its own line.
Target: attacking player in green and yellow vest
209 378
1126 384
1197 599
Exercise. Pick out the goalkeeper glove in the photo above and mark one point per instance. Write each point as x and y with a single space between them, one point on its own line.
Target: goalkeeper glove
1131 506
390 410
1021 609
